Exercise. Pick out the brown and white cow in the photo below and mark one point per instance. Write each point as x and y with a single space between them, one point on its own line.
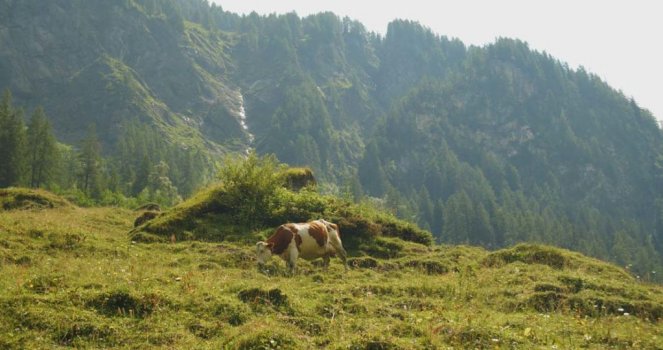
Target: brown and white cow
311 240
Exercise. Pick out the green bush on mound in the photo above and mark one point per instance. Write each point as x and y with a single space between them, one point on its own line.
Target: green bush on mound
255 195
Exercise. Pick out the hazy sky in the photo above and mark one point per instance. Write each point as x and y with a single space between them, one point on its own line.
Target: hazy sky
620 41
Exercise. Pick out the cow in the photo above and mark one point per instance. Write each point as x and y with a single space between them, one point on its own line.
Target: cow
310 240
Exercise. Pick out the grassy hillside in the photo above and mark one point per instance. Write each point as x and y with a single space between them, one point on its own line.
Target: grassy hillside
491 145
71 277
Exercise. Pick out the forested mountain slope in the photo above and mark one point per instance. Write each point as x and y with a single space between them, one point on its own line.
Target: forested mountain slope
486 145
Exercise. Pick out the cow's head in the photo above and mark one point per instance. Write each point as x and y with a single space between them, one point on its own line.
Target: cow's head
263 252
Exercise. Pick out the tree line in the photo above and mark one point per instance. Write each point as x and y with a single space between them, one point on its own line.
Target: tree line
141 167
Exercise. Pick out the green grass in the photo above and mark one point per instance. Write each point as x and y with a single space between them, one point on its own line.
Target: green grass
23 198
72 277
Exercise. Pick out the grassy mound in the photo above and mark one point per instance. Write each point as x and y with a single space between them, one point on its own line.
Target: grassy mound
209 216
554 258
255 195
14 198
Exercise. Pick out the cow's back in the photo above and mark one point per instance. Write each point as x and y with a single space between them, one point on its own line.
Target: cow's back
314 240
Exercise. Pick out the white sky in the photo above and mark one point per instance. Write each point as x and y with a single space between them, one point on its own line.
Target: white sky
620 41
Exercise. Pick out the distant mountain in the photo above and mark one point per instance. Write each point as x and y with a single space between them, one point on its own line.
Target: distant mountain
486 145
109 63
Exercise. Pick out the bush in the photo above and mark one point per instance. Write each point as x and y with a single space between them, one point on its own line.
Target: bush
250 185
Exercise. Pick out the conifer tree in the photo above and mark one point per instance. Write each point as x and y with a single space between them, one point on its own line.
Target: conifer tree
89 158
42 150
371 173
12 143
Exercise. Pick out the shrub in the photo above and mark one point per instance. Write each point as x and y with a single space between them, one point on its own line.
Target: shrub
250 186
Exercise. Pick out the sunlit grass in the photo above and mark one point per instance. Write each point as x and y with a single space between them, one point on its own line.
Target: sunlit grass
73 277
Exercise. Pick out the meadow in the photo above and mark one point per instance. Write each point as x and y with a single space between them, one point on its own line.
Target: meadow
74 277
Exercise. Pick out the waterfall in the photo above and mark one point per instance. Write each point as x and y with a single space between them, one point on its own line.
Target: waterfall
242 121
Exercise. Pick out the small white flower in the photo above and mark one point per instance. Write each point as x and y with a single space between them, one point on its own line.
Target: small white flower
626 314
620 309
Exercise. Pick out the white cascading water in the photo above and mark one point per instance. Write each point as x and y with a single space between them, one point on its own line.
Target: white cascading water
242 121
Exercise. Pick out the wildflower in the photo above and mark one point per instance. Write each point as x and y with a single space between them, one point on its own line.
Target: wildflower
621 309
626 314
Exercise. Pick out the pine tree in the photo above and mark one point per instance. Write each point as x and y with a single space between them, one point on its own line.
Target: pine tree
42 150
142 176
438 218
12 143
371 173
457 218
89 158
425 208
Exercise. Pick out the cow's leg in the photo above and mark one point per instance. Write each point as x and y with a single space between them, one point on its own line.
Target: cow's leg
291 267
292 260
325 261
